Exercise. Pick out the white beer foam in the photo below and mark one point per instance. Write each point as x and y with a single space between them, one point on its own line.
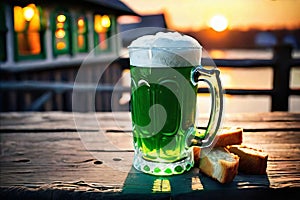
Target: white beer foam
169 49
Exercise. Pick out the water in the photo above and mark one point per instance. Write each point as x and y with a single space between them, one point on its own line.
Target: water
244 78
251 78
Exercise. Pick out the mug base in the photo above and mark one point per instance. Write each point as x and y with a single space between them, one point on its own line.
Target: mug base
163 169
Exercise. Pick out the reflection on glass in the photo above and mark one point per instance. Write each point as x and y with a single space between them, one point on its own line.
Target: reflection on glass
27 30
81 34
61 32
101 25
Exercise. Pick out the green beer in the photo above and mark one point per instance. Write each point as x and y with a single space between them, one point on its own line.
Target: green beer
165 69
162 86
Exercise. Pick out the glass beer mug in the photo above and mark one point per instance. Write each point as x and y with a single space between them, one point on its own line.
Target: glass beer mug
165 69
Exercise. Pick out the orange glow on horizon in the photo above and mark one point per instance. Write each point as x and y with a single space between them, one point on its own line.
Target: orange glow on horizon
243 14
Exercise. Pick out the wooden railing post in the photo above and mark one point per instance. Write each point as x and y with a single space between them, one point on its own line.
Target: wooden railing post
281 77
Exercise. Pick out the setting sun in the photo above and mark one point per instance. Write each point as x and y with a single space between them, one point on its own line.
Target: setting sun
241 15
219 23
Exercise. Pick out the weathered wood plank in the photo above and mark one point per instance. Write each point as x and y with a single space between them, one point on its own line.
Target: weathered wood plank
277 144
43 151
36 159
58 121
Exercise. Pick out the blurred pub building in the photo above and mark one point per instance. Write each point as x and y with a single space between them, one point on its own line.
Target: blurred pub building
43 43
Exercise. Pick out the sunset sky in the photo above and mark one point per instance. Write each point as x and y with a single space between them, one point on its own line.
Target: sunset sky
240 14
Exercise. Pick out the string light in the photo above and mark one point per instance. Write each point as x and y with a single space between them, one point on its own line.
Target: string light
28 12
61 18
105 22
60 33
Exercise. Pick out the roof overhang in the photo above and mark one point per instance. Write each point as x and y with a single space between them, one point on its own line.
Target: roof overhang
115 7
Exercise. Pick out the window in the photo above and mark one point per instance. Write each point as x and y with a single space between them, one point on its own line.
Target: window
28 32
61 33
102 31
81 42
3 31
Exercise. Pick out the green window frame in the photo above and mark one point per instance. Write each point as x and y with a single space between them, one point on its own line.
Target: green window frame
3 30
29 31
81 33
102 26
61 32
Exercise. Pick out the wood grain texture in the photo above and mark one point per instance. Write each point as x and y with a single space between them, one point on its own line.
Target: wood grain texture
46 152
120 121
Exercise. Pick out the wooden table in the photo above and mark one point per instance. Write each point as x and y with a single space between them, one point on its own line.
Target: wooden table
56 155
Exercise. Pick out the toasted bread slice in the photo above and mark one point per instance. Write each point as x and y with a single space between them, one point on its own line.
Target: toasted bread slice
220 164
252 161
229 136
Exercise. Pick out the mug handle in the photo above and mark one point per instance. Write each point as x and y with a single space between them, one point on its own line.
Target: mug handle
212 78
